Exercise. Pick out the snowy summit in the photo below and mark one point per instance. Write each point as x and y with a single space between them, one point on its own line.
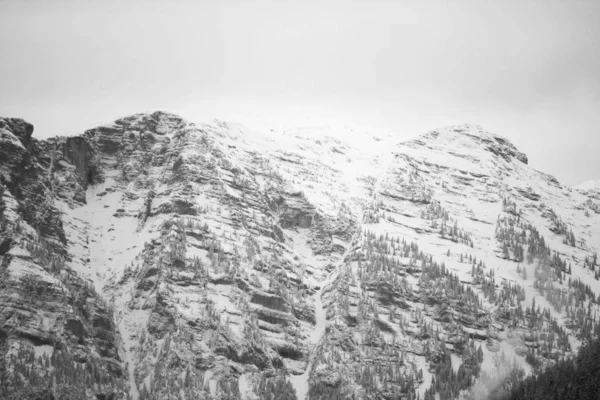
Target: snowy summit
155 258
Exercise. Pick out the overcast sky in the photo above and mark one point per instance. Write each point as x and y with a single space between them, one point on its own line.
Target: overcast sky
527 70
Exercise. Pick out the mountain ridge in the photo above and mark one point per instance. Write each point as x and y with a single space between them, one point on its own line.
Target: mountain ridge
207 260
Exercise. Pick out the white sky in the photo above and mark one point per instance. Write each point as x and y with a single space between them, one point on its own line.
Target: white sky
528 70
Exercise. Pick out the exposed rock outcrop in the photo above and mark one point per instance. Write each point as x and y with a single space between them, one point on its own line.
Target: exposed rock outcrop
154 257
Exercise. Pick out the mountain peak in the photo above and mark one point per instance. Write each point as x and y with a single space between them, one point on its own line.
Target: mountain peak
470 136
590 188
593 184
21 129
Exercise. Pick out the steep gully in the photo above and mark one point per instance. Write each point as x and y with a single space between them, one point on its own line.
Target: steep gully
301 382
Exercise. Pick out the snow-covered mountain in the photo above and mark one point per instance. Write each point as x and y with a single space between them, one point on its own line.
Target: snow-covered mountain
160 259
591 188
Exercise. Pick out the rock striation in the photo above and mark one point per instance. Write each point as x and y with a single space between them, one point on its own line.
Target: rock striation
154 258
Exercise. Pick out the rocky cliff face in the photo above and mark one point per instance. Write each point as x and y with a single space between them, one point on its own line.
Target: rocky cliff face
54 325
158 259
